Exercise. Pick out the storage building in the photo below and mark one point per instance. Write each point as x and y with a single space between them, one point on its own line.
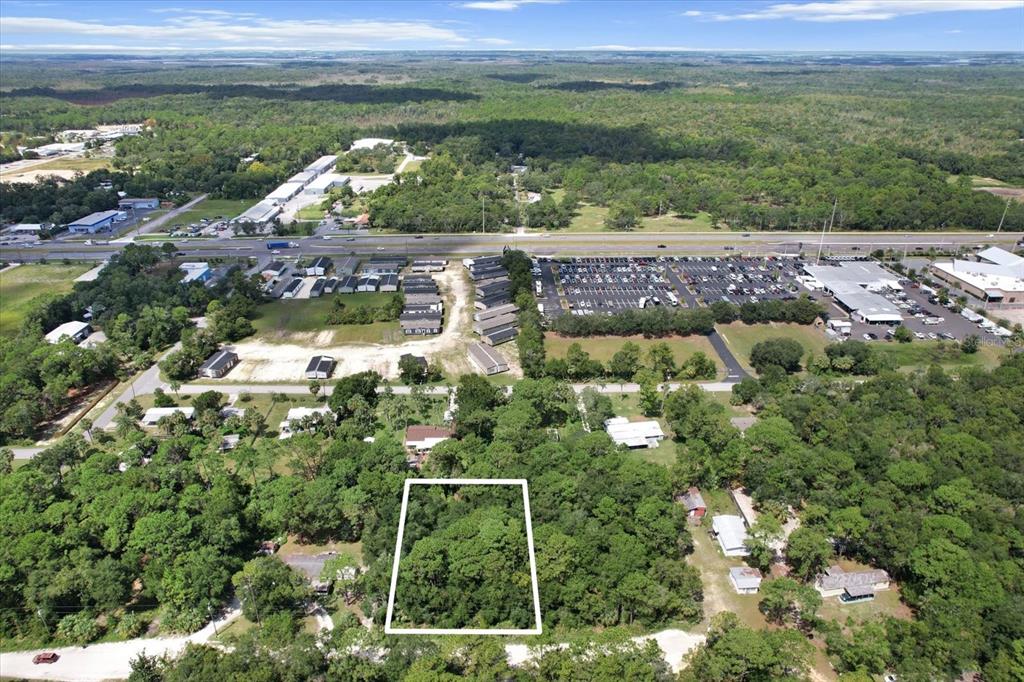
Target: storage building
428 265
318 267
318 287
138 204
283 193
330 285
323 164
292 288
693 501
389 283
260 214
745 580
346 265
420 324
487 359
348 285
367 284
499 336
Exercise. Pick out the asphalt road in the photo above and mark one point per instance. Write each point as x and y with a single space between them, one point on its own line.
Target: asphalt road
544 244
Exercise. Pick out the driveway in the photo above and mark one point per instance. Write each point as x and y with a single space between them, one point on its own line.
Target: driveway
107 661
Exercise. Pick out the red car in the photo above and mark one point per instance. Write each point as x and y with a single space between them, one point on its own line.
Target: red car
47 657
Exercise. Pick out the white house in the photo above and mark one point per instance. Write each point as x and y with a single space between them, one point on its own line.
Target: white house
76 331
155 414
642 434
731 534
297 414
745 580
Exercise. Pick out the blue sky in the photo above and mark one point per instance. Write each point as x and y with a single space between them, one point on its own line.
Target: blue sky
822 25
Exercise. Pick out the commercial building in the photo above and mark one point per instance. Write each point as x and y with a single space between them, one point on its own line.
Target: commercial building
139 204
29 228
854 285
731 534
283 193
851 586
487 359
195 272
745 580
499 336
94 222
694 503
260 214
496 323
997 276
384 265
154 414
497 311
218 364
389 283
320 367
641 434
325 183
433 300
323 164
76 331
319 266
302 178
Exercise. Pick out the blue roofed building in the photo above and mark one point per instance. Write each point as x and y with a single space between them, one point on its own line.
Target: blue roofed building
94 222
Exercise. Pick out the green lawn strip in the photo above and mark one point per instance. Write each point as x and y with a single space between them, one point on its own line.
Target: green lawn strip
741 338
20 285
922 354
76 164
276 320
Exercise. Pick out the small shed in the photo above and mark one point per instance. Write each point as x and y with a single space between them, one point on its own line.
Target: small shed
745 580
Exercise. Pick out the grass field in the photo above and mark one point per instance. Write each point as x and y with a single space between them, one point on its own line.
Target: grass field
741 338
78 164
18 286
602 348
313 212
590 218
275 320
921 354
211 208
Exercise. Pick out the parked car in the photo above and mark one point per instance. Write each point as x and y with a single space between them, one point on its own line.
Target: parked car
46 657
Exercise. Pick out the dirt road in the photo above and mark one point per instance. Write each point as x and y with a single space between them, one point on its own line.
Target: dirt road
265 362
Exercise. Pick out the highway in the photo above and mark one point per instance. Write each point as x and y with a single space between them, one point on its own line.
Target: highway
554 243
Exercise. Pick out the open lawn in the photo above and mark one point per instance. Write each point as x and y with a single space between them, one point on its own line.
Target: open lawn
18 286
211 208
275 320
602 348
590 218
313 212
76 164
922 354
741 338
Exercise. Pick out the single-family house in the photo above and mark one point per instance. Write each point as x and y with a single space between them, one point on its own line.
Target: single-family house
274 270
731 534
851 586
154 414
292 423
745 580
76 331
640 434
218 364
320 367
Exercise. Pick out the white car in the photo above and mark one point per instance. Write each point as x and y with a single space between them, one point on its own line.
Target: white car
933 336
919 335
276 252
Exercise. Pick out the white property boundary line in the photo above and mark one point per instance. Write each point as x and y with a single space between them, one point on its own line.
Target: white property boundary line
409 482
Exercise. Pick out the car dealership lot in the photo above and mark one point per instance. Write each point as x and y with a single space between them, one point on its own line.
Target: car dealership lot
739 280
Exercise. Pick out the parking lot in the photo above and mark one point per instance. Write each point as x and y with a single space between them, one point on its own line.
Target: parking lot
739 280
591 286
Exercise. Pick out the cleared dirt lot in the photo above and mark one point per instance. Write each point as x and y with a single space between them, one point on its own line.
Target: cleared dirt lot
262 361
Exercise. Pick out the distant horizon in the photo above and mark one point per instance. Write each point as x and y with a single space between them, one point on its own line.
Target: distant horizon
805 26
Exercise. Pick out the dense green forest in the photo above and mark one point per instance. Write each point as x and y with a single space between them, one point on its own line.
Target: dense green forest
756 147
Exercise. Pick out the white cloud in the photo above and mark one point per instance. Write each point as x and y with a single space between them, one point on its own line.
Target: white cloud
211 30
693 13
505 5
865 10
953 31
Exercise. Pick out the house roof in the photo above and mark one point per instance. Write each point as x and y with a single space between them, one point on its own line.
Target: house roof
487 358
320 363
68 329
422 432
730 530
745 577
835 578
274 266
155 414
625 432
94 218
219 360
692 499
420 360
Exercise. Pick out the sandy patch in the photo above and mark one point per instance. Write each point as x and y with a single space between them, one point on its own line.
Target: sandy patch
264 362
674 645
33 176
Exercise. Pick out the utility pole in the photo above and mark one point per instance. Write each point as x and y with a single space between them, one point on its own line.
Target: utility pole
1005 209
255 606
827 223
483 214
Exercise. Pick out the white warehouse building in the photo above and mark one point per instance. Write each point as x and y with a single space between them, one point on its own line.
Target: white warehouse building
854 284
642 434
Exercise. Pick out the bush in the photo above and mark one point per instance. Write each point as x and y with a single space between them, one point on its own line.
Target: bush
78 628
130 626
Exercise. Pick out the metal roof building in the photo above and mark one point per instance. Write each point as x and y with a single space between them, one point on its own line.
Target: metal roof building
854 283
731 534
642 434
262 212
487 359
322 164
